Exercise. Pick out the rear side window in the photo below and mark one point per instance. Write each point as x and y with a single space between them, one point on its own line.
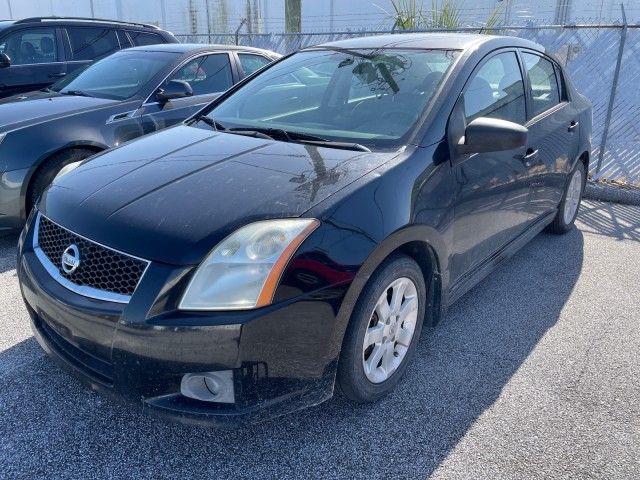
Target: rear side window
144 38
544 83
207 74
34 45
252 63
497 90
91 43
124 40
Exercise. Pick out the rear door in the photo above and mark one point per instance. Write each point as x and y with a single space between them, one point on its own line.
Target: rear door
87 44
208 75
36 59
553 131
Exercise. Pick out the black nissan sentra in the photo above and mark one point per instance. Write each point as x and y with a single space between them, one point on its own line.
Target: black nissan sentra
297 234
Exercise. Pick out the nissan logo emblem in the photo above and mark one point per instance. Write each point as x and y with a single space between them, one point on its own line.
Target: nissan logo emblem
71 259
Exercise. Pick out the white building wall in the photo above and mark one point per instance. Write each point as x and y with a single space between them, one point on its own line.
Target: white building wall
224 16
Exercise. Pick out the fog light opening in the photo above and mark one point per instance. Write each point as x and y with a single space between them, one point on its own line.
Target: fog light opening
209 386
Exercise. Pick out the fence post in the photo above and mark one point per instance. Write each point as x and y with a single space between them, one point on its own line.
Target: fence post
242 22
614 87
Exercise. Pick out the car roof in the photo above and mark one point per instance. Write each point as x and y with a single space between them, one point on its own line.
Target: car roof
440 41
195 47
84 21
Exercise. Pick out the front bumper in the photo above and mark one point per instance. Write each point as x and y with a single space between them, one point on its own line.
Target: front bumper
137 354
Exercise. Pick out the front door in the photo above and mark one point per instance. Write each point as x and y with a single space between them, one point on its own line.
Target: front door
36 60
208 76
492 189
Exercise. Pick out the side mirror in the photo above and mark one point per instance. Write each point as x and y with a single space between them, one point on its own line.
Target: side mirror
5 61
174 89
492 135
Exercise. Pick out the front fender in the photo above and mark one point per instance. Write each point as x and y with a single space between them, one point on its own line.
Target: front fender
404 203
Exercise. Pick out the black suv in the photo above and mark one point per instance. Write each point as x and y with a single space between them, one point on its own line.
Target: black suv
36 52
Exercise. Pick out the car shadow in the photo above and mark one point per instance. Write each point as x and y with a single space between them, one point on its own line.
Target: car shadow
459 371
8 243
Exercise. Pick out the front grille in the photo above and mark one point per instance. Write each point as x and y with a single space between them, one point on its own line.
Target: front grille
100 268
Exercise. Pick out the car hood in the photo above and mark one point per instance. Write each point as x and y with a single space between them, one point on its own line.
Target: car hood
34 107
173 195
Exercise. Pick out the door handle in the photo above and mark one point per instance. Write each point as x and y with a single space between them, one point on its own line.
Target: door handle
527 158
573 126
57 75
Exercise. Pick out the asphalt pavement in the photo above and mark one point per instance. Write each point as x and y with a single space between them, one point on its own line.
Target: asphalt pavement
534 374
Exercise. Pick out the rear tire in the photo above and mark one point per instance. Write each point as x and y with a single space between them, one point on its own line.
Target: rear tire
570 203
48 171
383 331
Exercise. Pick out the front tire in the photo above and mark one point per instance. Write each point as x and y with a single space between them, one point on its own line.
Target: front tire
48 171
570 203
383 332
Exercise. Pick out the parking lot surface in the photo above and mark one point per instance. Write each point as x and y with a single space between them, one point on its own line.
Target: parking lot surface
534 374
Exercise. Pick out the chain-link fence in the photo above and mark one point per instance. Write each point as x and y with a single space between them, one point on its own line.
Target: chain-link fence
603 62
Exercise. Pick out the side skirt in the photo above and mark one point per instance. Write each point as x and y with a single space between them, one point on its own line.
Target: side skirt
473 277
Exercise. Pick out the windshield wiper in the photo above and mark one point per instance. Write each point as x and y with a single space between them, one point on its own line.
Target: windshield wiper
218 127
211 122
333 144
280 133
78 93
298 137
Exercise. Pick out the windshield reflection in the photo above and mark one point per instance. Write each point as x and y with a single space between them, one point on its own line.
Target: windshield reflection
372 98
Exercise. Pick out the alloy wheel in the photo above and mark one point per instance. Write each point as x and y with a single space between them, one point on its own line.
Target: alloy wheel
572 199
390 331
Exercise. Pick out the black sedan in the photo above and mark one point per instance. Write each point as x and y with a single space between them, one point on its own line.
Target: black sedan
298 233
131 93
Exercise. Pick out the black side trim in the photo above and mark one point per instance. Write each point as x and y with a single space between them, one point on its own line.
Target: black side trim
473 277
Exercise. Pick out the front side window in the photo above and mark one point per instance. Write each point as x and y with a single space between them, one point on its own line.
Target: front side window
36 45
91 43
370 97
117 77
544 83
496 90
207 74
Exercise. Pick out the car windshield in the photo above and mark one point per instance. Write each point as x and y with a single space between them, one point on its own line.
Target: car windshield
372 98
116 77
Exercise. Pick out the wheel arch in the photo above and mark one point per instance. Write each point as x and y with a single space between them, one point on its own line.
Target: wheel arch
95 147
585 158
424 245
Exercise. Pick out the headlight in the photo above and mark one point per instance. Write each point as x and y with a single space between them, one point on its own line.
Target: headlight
243 271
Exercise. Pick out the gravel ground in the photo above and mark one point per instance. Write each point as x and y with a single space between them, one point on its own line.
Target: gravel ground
535 374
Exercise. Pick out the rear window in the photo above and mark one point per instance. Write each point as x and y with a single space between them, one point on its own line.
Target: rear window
544 83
